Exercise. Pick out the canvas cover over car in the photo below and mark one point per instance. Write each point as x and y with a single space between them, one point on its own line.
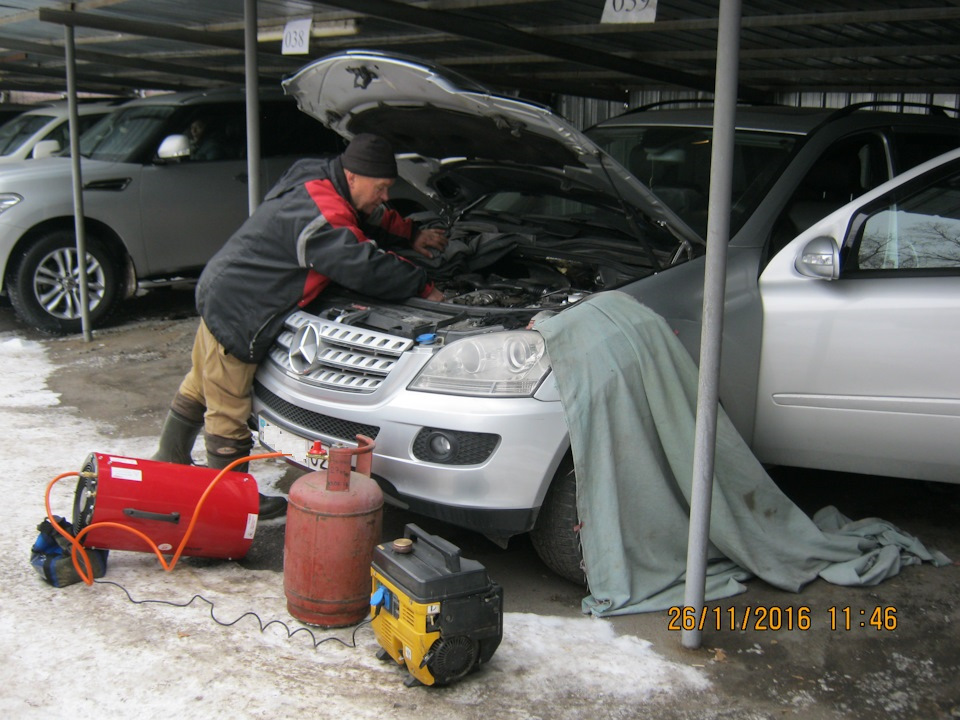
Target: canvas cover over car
629 392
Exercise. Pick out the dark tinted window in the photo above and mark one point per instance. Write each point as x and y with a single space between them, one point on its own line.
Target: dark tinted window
846 170
215 131
284 130
912 147
674 162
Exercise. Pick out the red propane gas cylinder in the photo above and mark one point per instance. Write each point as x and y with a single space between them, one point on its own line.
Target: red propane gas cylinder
334 521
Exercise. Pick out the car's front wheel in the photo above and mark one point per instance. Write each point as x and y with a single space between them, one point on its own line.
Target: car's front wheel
44 283
556 536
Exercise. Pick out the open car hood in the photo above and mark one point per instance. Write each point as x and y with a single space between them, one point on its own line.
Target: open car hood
443 124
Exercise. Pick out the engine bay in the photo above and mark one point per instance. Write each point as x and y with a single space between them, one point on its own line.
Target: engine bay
524 283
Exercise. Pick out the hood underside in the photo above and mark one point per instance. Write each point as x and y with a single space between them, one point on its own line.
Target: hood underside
446 119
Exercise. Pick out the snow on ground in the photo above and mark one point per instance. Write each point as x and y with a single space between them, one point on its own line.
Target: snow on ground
88 651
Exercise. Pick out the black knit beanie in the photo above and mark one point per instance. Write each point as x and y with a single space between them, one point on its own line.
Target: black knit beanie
371 156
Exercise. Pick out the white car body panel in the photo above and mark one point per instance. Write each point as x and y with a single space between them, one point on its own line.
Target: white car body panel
856 373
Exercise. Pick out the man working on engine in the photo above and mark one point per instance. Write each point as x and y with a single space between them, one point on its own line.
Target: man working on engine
323 222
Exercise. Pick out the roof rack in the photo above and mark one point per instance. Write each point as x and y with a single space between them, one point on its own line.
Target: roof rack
693 101
932 109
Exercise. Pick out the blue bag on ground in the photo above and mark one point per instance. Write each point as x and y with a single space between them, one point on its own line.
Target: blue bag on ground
50 556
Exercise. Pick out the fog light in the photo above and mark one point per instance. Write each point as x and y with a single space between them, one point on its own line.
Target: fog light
454 447
441 447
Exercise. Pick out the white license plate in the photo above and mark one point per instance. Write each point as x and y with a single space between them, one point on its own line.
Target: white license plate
284 441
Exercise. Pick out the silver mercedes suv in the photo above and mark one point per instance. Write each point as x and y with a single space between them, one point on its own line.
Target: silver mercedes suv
459 395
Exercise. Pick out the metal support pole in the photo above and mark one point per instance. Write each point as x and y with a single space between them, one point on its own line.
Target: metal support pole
74 132
252 83
718 238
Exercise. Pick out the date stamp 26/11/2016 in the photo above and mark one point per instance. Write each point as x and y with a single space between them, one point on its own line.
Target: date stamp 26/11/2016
775 618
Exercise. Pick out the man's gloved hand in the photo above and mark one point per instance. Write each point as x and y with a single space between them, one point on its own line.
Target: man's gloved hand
429 239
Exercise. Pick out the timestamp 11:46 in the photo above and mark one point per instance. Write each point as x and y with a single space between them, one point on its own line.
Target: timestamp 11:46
878 618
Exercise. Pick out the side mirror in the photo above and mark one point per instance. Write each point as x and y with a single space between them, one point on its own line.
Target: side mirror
45 148
174 147
820 258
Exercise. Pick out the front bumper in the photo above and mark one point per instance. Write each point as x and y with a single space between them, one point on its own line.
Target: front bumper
497 490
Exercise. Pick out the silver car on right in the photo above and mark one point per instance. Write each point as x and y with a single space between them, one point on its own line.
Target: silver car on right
839 343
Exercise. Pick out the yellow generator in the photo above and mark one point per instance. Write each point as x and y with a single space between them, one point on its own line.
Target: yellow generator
433 611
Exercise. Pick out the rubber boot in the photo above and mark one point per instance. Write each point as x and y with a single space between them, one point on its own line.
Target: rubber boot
178 435
222 451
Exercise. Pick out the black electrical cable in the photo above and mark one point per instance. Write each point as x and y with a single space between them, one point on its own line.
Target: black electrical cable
290 634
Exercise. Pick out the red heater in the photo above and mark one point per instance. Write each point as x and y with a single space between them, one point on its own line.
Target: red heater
160 499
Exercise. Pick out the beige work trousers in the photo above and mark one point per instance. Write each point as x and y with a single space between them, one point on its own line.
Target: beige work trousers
222 384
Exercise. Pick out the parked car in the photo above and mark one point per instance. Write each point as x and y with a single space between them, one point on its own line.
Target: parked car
459 395
158 200
45 130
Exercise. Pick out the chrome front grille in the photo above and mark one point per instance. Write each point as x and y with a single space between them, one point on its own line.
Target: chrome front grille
337 356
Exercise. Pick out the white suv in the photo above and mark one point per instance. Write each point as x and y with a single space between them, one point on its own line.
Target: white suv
459 395
44 131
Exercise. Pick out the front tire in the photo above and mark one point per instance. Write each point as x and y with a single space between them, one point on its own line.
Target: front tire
556 536
44 283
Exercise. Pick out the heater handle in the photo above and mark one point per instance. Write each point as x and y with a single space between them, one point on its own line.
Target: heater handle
173 517
450 552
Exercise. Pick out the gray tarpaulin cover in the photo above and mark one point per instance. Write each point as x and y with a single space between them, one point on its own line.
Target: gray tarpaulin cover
628 388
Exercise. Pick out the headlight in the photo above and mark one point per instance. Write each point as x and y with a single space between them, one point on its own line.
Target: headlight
502 364
8 200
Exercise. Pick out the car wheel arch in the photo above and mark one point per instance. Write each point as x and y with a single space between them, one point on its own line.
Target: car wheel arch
96 228
49 246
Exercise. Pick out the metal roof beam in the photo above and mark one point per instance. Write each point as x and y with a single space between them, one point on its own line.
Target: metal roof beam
93 56
138 27
819 52
752 22
89 81
506 36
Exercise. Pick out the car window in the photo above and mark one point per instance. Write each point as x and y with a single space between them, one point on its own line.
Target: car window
917 233
215 132
674 162
286 130
61 133
16 132
844 171
914 147
554 207
123 134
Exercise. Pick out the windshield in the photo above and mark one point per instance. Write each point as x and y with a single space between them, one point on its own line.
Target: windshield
577 224
123 135
543 206
674 162
16 132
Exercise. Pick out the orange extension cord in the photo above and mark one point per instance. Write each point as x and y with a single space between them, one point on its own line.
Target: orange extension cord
86 574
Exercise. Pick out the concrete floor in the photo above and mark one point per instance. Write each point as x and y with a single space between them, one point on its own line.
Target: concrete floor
908 669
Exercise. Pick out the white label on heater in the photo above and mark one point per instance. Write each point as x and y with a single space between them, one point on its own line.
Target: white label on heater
127 461
126 474
164 547
251 526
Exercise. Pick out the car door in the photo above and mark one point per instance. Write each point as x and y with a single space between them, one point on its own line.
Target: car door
859 373
189 208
